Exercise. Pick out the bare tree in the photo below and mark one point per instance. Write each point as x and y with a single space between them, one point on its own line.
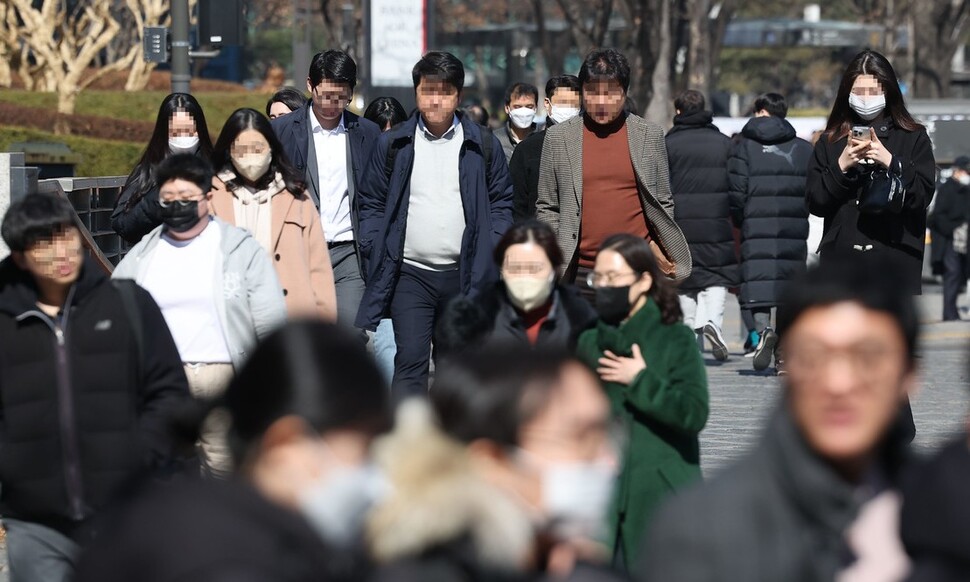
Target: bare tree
64 44
145 13
707 22
9 51
940 28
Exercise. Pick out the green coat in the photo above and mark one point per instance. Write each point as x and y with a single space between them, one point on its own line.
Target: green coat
664 409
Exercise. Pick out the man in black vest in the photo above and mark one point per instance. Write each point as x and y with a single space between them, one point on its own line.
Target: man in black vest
89 378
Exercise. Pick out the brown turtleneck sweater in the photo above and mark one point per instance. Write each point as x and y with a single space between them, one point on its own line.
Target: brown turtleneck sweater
611 201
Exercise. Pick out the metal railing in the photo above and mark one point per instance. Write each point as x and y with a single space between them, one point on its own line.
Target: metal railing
93 200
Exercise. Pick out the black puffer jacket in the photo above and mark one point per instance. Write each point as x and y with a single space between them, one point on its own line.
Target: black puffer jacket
832 195
81 411
767 172
698 154
489 319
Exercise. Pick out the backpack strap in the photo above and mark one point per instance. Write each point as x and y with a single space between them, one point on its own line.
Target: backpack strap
126 288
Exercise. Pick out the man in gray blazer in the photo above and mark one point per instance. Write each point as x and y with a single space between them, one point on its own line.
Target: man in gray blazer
605 172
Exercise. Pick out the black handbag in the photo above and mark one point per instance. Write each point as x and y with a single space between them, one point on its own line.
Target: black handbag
882 190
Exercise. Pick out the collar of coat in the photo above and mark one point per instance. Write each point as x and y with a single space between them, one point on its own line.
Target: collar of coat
620 339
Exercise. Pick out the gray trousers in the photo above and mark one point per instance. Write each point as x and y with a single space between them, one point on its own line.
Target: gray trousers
348 281
36 552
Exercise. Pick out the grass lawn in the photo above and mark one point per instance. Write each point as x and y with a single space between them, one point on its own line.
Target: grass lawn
141 105
98 157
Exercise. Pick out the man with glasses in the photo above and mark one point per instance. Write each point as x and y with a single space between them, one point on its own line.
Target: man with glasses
86 398
331 147
214 283
817 500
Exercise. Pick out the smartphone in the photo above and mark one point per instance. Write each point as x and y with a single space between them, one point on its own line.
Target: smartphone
860 133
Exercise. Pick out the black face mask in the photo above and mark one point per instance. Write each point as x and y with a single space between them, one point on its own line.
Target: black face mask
613 303
179 218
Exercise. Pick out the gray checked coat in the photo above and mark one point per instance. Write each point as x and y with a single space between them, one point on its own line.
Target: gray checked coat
560 197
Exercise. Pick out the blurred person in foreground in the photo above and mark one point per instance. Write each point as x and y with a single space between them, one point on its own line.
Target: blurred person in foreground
89 379
935 522
527 307
818 498
304 411
180 128
508 480
650 368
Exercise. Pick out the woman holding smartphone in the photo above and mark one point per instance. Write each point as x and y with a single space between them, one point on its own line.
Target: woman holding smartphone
869 130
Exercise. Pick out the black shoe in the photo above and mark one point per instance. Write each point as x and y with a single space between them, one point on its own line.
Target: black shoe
765 350
718 347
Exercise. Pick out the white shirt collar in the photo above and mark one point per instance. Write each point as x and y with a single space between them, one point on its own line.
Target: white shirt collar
317 128
455 122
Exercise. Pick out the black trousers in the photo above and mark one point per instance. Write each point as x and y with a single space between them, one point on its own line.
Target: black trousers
954 275
419 299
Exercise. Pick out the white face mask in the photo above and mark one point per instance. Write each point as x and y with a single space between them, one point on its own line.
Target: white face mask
527 293
252 166
867 108
337 505
522 117
576 496
560 113
184 144
964 179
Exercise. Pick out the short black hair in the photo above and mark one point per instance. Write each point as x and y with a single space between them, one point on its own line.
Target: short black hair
492 393
870 281
605 63
562 82
318 372
188 167
440 65
35 218
385 111
690 101
288 96
333 65
773 103
521 90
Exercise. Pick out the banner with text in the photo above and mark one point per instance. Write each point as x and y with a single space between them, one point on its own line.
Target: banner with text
398 33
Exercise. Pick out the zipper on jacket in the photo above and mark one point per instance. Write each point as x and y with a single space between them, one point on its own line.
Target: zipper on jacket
67 422
71 454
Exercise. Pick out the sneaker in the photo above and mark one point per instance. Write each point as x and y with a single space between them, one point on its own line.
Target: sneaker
750 344
765 350
718 347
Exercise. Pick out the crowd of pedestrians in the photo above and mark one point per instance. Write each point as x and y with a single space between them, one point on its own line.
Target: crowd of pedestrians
250 395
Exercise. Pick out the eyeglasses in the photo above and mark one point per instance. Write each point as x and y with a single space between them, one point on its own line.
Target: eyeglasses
180 201
594 279
865 361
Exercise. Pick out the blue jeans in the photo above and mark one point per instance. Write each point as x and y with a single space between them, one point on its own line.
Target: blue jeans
385 348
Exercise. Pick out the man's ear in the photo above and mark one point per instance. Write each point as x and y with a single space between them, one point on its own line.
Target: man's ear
309 86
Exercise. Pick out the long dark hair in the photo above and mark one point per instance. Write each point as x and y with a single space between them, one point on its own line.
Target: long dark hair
636 252
868 62
526 231
240 121
142 176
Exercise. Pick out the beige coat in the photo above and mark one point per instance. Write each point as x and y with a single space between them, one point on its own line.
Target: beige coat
299 254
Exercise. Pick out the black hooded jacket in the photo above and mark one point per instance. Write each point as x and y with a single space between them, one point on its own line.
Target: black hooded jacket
697 153
82 412
768 169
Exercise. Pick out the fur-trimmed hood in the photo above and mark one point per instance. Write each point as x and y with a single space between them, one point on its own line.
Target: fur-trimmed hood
437 499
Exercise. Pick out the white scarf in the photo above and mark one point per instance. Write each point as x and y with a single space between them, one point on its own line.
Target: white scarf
252 208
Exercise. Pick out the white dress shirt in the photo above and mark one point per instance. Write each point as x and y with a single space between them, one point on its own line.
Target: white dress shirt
331 149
